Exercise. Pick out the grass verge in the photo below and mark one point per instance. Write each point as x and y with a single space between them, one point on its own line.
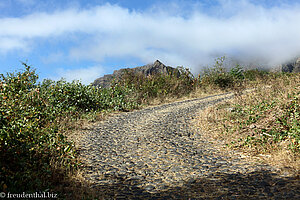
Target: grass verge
264 122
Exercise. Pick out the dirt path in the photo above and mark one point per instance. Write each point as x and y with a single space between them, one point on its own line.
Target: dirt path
156 153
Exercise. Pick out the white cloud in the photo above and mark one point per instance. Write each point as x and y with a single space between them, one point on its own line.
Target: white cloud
7 44
85 75
237 28
53 57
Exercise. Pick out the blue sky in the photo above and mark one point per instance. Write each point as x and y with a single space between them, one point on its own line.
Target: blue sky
85 39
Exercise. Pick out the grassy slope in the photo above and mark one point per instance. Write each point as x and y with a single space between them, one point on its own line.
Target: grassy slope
264 122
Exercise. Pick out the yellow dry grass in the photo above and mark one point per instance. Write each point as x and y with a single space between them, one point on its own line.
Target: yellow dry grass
220 124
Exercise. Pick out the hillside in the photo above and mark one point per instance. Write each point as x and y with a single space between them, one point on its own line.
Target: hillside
41 151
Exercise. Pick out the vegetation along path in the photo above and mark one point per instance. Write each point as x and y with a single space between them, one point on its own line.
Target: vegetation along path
156 153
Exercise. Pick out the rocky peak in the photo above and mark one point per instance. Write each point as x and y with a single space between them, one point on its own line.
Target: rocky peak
292 66
157 62
149 69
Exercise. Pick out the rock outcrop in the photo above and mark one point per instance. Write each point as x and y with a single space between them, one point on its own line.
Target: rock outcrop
150 69
293 66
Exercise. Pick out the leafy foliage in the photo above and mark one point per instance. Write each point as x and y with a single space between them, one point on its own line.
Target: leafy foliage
220 77
29 136
146 88
31 117
254 74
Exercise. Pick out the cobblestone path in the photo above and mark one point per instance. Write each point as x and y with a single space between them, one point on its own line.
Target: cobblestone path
155 153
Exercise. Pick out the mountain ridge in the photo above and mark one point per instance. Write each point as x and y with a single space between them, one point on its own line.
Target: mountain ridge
149 69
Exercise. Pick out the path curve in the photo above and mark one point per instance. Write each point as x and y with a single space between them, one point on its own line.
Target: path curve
156 153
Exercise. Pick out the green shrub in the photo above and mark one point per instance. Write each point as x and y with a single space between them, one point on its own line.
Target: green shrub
254 74
31 117
145 88
218 75
77 98
237 72
29 137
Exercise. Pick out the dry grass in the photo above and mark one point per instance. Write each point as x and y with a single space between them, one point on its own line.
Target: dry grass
248 138
73 186
69 183
197 93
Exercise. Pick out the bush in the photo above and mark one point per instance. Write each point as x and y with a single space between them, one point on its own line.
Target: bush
29 137
145 88
77 98
219 77
31 117
254 74
237 73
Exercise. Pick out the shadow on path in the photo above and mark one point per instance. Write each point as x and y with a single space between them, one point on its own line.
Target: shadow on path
254 185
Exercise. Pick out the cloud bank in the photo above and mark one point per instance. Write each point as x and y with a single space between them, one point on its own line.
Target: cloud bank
236 28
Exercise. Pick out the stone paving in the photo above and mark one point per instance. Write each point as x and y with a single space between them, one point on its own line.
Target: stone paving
156 153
